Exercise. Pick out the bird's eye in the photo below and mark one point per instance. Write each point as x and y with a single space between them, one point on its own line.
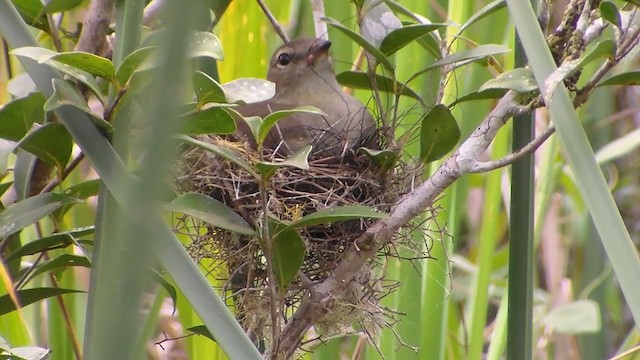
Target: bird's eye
284 59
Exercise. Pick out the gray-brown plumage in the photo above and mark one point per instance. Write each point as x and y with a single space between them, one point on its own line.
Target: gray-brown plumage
303 75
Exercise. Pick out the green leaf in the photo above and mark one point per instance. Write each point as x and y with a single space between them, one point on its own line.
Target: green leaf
482 13
288 252
627 78
204 43
201 330
360 80
519 80
6 148
400 9
61 263
369 47
619 147
207 89
609 12
249 90
17 116
337 214
270 120
578 317
170 289
27 353
211 211
439 134
32 13
298 160
66 93
131 63
51 143
224 152
4 187
479 52
22 170
213 120
84 190
93 64
54 6
480 95
26 212
55 241
30 296
385 160
399 38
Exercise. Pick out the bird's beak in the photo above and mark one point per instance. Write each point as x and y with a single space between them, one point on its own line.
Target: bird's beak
318 49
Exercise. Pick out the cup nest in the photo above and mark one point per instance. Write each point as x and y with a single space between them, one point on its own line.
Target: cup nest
237 263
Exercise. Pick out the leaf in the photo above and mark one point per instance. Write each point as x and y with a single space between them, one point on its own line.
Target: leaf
627 78
480 95
22 170
337 214
439 134
270 120
609 12
298 160
377 21
26 212
207 89
32 13
60 263
225 153
399 38
578 317
30 296
479 52
249 90
605 48
369 47
53 6
170 289
21 85
360 80
519 80
213 120
201 330
399 8
482 13
211 211
6 148
51 143
619 147
131 63
383 159
17 116
91 63
54 241
66 93
288 252
204 43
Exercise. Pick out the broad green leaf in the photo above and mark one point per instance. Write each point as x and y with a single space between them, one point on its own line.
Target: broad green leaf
298 160
378 21
211 211
207 89
168 287
578 317
21 85
479 52
213 120
487 10
480 95
439 134
93 64
17 116
26 212
249 90
369 47
204 43
288 252
400 9
32 12
360 80
6 148
131 63
61 263
66 93
520 80
53 6
622 146
22 170
225 153
51 143
55 241
383 159
627 78
605 48
201 330
30 296
399 38
270 120
609 12
84 190
337 214
28 353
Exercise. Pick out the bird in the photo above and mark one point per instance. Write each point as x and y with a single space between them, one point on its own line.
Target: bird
303 75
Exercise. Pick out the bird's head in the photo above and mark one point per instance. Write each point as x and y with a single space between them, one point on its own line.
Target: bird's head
301 65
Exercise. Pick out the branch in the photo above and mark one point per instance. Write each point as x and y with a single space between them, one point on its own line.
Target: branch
273 21
318 12
93 38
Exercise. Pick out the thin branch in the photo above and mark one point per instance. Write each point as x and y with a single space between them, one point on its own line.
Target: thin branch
317 6
58 179
485 166
273 21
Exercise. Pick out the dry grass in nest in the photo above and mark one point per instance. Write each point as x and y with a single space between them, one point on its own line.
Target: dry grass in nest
292 193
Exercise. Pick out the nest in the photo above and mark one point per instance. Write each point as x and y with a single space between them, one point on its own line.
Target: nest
238 262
